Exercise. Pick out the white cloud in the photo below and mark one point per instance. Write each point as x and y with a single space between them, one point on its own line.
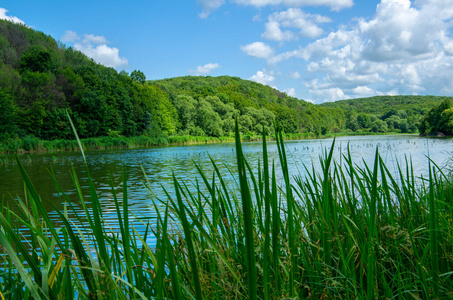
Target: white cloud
209 6
264 77
294 75
94 39
335 5
274 33
364 91
103 54
405 48
13 19
290 92
95 47
258 49
329 95
205 70
70 36
448 48
294 18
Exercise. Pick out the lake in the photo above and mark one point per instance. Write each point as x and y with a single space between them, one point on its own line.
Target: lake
160 163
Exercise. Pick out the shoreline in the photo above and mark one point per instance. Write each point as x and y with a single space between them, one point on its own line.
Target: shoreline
31 145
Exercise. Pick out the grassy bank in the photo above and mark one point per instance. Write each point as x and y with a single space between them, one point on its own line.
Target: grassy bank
32 144
344 233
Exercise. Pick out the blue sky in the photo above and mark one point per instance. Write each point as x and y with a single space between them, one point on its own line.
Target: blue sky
316 50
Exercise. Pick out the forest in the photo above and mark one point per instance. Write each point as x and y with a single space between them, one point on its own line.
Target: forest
42 80
438 121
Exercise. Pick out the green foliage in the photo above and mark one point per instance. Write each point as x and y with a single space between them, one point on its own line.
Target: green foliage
208 120
36 59
94 112
439 120
186 109
8 116
138 76
154 100
8 55
254 104
378 126
401 113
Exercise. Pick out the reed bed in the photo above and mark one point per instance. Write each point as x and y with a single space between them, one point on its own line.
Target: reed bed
347 232
33 144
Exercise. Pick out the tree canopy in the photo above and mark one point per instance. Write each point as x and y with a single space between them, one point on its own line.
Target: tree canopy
438 120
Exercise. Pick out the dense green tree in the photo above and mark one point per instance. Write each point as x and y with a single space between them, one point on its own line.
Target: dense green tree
56 125
378 125
72 85
208 120
138 76
153 99
16 35
10 79
438 120
36 59
394 121
8 115
446 121
8 55
186 107
94 112
352 122
364 120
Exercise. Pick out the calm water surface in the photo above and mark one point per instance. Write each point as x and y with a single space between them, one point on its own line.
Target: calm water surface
159 163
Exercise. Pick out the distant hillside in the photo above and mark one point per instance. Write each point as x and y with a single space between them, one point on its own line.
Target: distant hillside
385 113
380 105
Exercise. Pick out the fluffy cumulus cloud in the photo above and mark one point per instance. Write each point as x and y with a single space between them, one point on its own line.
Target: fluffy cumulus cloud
329 94
263 77
305 25
333 4
290 92
205 70
258 49
294 75
405 48
95 47
70 36
103 54
95 39
4 16
209 6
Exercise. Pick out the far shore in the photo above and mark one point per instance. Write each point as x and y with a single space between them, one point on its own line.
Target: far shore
31 145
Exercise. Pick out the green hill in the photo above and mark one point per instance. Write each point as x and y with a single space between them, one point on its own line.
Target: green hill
386 113
254 104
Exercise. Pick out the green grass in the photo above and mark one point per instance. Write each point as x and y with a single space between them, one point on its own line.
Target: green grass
347 232
31 144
